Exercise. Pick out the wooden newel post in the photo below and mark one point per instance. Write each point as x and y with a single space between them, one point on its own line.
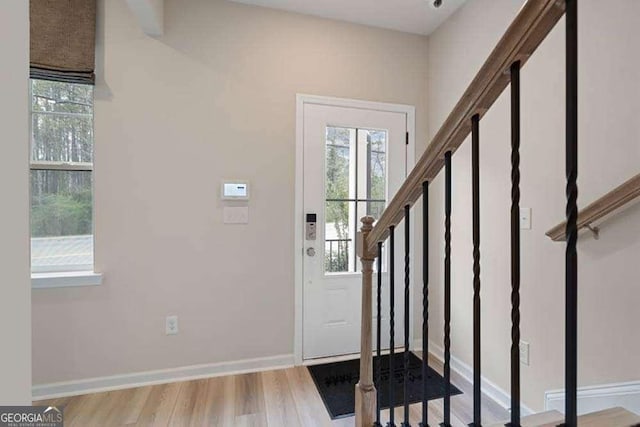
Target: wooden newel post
365 389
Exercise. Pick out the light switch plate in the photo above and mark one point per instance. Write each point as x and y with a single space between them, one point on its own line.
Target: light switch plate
235 214
525 218
171 325
524 353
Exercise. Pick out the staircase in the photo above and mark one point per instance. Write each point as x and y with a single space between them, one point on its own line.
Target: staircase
501 69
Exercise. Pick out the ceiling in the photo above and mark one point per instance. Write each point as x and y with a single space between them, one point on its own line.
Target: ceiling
411 16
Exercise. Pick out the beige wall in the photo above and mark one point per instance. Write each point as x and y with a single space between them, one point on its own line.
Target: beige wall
15 336
213 98
609 338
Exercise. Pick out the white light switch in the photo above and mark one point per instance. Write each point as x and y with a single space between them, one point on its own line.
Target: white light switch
525 218
524 353
235 214
171 325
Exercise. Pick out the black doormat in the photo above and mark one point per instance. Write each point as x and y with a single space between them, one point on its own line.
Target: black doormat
336 383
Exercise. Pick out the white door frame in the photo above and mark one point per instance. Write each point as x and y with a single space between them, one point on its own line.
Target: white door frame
301 100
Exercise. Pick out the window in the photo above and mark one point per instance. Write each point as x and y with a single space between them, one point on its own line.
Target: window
61 177
355 186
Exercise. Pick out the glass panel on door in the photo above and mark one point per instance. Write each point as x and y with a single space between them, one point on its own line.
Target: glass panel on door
355 186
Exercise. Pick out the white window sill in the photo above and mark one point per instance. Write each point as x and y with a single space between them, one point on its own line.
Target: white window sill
65 279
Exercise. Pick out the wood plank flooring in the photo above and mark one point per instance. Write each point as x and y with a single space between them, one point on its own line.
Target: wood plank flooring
286 397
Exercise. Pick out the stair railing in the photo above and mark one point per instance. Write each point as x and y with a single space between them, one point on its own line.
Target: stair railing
532 24
609 204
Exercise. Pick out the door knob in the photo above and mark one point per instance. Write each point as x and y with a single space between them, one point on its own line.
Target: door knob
311 251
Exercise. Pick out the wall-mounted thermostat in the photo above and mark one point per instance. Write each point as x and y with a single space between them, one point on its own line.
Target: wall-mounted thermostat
235 190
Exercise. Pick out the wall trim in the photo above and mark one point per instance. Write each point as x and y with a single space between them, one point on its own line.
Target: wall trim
162 376
595 398
489 388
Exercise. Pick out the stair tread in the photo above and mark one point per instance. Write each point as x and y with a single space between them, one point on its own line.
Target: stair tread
612 417
539 419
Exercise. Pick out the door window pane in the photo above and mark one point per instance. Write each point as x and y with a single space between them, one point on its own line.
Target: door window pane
338 162
377 166
338 237
355 186
373 208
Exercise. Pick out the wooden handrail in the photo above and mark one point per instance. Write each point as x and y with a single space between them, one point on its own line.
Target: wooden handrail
535 20
605 205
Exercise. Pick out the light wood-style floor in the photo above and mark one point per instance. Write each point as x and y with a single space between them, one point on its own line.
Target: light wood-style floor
282 398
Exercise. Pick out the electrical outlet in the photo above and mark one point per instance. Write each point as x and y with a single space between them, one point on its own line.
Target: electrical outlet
524 353
171 325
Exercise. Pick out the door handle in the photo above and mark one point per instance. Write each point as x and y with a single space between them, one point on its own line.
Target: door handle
311 252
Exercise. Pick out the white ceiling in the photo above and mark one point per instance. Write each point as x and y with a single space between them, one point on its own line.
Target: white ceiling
411 16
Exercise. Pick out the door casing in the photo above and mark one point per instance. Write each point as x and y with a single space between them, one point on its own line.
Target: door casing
301 100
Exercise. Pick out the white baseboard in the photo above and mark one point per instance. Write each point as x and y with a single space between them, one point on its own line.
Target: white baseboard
595 398
500 396
163 376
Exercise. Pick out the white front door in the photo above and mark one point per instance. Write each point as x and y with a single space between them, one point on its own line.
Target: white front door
354 160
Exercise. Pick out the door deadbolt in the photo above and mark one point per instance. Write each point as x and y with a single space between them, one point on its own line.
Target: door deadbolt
311 251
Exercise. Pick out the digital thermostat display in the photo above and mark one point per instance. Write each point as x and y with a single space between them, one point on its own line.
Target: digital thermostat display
235 190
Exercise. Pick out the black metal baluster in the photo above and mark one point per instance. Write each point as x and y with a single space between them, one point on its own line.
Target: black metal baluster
392 401
475 178
407 209
447 292
425 299
378 360
515 245
571 274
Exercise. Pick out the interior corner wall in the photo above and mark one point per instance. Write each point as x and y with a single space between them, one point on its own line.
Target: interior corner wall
15 359
609 154
213 98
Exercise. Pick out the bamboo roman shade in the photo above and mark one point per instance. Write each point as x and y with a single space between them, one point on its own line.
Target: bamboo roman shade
63 35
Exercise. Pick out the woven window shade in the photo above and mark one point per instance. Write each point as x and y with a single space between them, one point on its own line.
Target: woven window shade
63 38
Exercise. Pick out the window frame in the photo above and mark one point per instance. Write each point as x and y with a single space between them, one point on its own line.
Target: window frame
72 274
